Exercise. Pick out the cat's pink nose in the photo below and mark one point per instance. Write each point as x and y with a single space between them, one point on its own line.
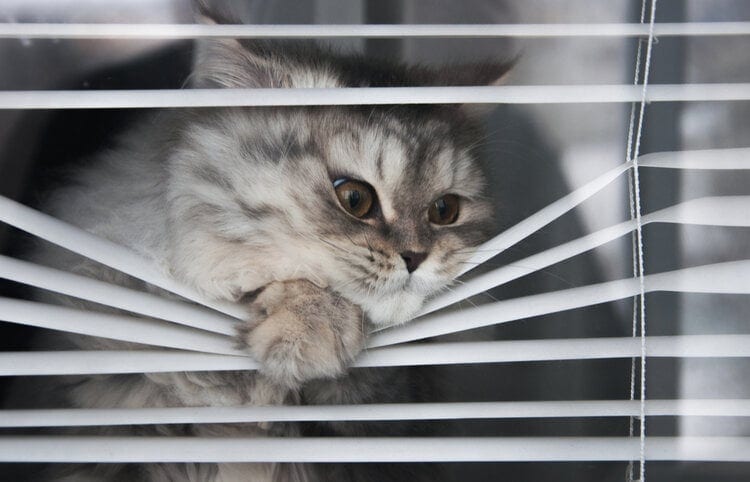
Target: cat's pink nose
413 260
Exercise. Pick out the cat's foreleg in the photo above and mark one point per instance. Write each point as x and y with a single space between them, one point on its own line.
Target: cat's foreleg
300 332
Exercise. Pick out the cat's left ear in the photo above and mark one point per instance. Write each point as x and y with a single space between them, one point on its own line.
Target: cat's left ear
228 62
475 74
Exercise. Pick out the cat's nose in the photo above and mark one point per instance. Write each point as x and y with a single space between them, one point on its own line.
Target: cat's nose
413 260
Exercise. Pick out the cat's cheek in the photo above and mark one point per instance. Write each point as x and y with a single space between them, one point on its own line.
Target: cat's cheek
392 310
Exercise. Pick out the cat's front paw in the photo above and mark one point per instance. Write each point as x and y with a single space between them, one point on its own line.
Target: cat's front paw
302 332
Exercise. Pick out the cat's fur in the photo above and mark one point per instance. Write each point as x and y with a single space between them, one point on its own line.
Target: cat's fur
239 203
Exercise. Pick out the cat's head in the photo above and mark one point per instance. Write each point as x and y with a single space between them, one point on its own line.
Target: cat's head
380 203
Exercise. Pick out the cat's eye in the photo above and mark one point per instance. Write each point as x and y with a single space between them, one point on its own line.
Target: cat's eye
356 197
444 210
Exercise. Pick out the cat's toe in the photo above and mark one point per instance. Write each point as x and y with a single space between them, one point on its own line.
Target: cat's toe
307 333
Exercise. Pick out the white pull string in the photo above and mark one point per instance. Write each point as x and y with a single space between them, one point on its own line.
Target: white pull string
505 94
103 251
88 417
639 241
634 248
633 240
115 296
79 449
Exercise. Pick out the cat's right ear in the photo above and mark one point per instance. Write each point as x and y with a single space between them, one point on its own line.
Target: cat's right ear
477 74
228 62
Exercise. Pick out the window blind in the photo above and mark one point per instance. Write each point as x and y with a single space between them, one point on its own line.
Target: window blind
202 329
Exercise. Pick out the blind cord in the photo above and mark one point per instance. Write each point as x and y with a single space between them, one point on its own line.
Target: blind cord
633 237
639 238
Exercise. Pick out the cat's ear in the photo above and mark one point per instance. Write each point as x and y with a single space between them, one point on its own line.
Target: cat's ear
228 62
475 74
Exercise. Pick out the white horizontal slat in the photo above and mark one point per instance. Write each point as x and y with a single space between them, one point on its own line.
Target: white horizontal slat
147 361
505 94
698 159
70 449
101 250
115 296
704 159
129 262
116 327
392 411
710 211
545 30
685 346
77 362
541 218
729 277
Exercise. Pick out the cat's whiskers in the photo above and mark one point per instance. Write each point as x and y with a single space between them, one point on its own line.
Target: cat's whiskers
458 304
472 251
333 245
288 146
363 327
483 293
340 287
516 265
369 246
484 140
341 248
353 258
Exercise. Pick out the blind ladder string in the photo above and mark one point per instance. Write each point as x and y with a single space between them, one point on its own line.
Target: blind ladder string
633 237
639 236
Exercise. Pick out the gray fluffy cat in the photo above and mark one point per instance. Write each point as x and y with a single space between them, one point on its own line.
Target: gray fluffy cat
323 221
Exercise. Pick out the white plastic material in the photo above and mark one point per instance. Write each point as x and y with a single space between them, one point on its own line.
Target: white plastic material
711 211
152 361
104 251
115 296
729 277
715 159
505 94
69 417
71 449
545 30
116 327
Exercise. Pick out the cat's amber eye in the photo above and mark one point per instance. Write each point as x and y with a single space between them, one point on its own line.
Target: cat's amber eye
356 197
444 210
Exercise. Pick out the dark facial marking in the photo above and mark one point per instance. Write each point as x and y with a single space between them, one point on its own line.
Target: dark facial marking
205 211
288 147
257 211
473 233
379 164
211 175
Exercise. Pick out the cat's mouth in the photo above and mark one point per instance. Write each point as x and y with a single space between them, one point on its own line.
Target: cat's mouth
392 300
392 309
388 285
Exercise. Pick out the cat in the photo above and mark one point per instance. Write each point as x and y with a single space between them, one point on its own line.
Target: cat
323 221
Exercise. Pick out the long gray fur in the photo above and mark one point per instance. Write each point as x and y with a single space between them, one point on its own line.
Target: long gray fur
239 203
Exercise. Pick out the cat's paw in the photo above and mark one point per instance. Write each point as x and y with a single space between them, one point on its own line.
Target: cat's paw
302 332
